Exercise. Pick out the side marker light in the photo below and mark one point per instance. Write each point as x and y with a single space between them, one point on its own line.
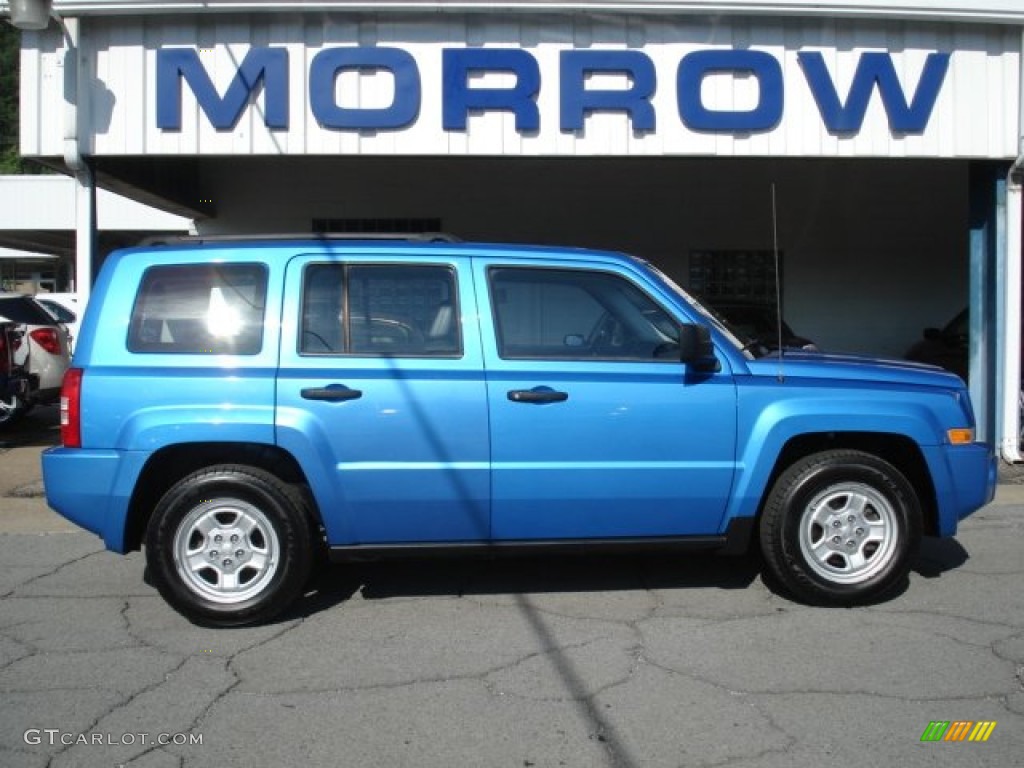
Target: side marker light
960 436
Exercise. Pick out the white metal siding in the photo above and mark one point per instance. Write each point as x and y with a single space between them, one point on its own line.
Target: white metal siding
975 114
47 202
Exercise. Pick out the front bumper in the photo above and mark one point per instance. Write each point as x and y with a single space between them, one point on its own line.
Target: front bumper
965 479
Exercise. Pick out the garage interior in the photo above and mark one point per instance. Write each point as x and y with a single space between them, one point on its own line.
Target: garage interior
871 251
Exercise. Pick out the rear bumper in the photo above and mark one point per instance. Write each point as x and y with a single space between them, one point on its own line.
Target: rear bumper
13 386
92 488
46 396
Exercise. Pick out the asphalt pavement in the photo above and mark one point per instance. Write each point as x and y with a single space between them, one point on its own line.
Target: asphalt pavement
626 661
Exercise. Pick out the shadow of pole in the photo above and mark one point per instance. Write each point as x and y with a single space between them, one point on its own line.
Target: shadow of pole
602 729
477 510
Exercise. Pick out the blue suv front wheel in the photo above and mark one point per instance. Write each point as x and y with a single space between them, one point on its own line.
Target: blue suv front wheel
841 527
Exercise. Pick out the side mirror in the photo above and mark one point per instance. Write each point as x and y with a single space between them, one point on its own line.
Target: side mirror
696 349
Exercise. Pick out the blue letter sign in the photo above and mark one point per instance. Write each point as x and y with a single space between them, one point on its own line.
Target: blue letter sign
697 65
635 101
874 69
269 65
265 70
459 99
323 74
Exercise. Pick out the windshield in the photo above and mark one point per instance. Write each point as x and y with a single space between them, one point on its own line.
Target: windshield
712 318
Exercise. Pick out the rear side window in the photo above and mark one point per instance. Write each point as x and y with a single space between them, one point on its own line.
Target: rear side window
63 314
380 310
24 310
214 309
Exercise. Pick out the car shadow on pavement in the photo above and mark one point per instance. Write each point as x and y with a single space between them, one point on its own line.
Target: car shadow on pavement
937 556
332 584
39 427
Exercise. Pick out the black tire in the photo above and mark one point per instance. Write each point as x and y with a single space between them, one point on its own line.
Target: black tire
254 570
840 528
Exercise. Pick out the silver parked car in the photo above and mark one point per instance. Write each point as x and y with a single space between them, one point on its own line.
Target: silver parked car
43 351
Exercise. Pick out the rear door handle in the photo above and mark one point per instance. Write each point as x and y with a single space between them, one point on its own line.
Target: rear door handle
537 395
332 392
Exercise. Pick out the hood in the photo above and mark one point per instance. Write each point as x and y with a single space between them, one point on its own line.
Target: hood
810 365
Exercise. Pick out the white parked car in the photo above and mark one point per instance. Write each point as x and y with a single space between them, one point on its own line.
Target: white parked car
64 307
44 351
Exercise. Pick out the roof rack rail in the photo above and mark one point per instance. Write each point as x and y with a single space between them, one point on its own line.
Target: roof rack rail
419 237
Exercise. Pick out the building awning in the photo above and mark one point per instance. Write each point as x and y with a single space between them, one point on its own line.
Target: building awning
38 214
981 11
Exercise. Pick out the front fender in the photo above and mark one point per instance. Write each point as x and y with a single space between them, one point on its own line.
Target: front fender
766 428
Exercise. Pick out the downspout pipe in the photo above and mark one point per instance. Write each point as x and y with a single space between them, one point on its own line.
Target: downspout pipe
75 101
1010 433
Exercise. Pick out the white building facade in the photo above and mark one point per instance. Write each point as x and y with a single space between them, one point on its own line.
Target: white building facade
887 134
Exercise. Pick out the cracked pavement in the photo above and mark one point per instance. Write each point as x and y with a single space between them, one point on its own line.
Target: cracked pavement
625 661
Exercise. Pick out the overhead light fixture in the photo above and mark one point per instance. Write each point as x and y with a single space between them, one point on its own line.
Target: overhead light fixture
30 14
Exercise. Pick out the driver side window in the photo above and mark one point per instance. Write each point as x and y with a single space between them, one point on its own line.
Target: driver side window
577 315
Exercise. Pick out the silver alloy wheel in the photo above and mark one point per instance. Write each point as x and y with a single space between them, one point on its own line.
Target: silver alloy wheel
848 533
10 408
226 550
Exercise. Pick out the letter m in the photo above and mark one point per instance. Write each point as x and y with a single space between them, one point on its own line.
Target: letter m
935 731
268 66
875 69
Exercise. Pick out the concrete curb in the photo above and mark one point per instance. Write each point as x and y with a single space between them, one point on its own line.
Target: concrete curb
31 515
1007 493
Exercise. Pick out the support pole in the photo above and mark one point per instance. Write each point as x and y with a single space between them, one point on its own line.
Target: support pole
1011 237
75 120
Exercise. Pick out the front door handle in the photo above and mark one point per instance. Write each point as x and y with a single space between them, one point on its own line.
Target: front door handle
537 395
332 392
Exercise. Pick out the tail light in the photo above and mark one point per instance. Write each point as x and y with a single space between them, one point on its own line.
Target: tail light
71 408
48 339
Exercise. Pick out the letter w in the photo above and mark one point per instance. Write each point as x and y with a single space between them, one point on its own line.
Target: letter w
266 65
874 69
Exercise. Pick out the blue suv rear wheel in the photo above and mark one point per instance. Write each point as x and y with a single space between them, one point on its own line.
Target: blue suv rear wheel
229 545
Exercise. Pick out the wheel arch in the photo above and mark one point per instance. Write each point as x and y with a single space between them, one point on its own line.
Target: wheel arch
898 450
171 463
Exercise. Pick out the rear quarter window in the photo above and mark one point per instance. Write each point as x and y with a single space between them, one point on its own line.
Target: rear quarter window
24 310
63 314
213 309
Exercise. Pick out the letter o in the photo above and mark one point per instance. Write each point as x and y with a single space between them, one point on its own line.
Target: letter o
695 66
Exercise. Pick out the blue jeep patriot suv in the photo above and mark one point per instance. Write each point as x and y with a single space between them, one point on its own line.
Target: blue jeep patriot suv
239 407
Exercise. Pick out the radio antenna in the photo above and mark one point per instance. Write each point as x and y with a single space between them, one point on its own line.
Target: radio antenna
778 282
